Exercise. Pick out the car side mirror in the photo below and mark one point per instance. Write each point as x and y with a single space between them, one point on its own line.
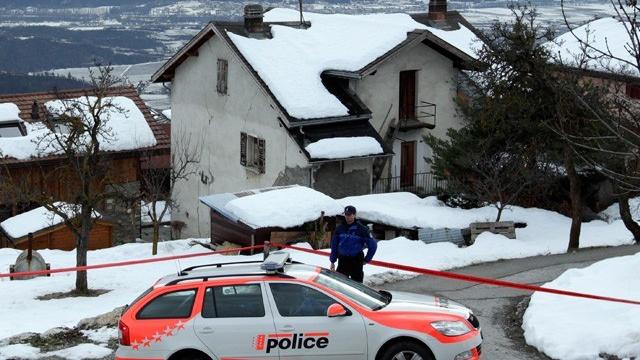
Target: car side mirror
337 310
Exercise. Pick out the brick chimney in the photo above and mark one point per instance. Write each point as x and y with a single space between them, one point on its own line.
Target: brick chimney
437 9
253 15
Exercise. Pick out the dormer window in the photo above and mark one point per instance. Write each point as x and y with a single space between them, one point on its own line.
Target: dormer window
12 128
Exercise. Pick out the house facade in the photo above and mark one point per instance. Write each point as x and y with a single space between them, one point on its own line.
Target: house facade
244 91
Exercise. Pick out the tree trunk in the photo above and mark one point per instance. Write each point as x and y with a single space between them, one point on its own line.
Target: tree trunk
576 198
499 213
82 246
627 219
156 236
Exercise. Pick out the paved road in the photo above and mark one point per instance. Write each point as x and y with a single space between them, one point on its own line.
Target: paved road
499 309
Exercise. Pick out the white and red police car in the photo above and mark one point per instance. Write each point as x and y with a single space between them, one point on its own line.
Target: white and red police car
278 309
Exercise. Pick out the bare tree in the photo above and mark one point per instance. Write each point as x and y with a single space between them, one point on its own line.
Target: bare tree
159 183
610 140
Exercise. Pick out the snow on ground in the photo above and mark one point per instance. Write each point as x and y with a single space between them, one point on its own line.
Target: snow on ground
344 147
124 130
287 207
581 329
78 352
612 213
607 35
145 212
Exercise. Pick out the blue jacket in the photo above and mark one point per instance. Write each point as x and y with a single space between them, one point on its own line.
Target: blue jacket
350 240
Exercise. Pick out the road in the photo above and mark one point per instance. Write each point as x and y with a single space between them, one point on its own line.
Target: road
500 310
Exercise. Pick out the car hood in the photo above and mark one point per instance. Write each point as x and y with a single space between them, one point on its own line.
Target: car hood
404 301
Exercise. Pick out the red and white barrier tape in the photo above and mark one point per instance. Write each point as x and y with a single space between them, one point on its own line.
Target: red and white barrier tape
127 263
477 279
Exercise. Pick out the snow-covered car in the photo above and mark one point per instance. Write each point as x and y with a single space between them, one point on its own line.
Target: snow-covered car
279 309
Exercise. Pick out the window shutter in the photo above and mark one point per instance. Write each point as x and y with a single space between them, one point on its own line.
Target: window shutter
223 68
261 156
243 149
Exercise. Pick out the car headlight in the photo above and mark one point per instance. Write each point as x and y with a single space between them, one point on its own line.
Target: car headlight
450 328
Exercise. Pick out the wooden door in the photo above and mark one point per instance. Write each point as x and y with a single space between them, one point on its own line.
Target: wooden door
407 163
407 103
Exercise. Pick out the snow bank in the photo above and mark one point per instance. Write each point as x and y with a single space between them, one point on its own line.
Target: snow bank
291 62
344 147
38 219
604 35
78 352
285 208
612 213
9 111
125 130
580 329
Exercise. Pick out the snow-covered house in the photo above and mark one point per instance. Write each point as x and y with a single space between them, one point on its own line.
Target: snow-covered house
334 102
249 217
48 231
600 50
34 162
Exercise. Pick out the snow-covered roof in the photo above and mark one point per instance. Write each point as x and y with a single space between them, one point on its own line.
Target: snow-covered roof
283 207
291 62
344 147
9 111
127 129
37 219
608 35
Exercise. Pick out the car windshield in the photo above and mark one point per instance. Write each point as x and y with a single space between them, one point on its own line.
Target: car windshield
354 290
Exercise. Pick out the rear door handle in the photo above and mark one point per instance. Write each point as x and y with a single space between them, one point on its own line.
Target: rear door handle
206 330
287 328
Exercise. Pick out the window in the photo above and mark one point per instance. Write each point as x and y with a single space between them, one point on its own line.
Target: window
12 129
299 300
173 305
223 70
252 152
233 301
633 91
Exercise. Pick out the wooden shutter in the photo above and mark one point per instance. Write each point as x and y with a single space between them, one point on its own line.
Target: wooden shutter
223 68
243 149
261 156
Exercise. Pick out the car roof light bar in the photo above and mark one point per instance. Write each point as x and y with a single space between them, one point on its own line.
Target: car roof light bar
275 261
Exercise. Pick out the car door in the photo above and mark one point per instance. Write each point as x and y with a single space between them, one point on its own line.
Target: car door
304 331
235 322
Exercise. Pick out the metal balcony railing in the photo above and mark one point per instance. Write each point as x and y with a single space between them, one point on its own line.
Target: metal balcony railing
425 116
419 183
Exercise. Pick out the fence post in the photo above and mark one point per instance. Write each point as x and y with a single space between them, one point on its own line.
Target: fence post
266 250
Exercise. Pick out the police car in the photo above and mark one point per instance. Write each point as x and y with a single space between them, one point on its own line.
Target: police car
279 309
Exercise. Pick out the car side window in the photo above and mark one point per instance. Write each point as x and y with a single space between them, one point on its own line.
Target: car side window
299 300
172 305
233 301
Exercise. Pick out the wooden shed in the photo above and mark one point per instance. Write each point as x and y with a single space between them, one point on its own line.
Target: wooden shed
227 227
50 232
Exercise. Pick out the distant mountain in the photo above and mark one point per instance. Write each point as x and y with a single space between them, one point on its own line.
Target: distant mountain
52 4
18 84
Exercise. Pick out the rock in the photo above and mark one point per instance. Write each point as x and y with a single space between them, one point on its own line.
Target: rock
17 339
109 319
54 331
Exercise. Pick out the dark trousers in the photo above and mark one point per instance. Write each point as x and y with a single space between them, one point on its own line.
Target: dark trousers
351 266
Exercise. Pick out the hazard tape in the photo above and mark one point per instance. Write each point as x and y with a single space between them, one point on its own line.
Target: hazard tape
127 263
475 279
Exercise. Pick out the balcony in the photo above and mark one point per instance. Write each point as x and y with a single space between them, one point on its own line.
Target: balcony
422 116
419 183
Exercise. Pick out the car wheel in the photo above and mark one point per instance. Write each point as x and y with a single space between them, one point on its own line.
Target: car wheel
406 350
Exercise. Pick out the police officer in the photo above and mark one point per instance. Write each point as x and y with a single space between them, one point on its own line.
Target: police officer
347 245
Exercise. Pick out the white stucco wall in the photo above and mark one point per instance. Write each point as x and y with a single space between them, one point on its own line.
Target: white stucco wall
216 121
435 83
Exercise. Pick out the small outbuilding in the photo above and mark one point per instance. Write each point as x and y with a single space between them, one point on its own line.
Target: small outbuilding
49 231
276 214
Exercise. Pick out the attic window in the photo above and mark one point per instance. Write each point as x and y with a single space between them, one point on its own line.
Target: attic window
223 70
12 129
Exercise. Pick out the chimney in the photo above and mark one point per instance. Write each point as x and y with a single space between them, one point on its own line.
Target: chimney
35 113
253 15
437 10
